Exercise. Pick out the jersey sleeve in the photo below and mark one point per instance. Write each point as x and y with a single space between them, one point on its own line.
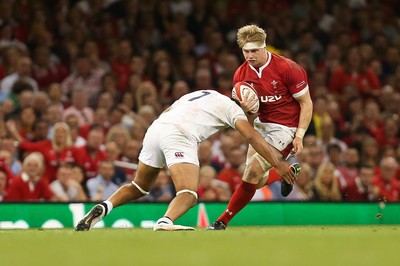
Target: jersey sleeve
296 78
234 114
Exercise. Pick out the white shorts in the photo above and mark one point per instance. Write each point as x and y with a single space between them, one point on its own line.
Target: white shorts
278 136
165 144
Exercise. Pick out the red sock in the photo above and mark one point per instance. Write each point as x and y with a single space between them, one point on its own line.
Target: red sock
273 176
239 199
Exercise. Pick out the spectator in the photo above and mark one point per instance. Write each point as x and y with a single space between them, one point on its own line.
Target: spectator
232 172
119 134
55 151
53 115
100 119
8 146
40 103
90 155
91 51
3 185
41 130
5 163
387 181
221 148
349 169
326 184
391 132
10 57
163 78
30 185
148 113
334 153
372 121
46 71
121 65
114 153
84 76
106 100
361 188
210 188
320 116
22 95
65 187
101 187
7 38
203 79
6 108
78 174
23 72
162 191
317 157
179 88
26 123
130 154
355 70
72 121
79 107
205 155
370 152
328 137
56 96
146 94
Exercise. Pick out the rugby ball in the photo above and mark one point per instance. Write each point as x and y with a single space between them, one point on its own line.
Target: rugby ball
243 91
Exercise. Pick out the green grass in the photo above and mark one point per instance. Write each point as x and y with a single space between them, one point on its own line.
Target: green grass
293 245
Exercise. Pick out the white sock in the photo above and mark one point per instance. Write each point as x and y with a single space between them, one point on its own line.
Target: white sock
109 206
165 220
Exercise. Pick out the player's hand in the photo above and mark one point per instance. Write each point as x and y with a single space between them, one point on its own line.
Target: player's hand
297 146
283 169
249 102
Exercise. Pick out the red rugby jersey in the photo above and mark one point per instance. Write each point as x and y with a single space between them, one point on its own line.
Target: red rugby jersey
278 82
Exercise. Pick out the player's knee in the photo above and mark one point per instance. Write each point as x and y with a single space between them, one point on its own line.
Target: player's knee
141 190
251 177
194 197
263 180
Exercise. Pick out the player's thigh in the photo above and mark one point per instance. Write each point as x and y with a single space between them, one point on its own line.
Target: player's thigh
146 176
278 136
151 153
185 176
181 156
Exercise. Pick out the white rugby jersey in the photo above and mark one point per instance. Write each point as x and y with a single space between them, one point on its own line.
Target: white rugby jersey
202 113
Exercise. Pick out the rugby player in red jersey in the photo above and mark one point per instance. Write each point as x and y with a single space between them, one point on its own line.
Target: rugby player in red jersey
283 117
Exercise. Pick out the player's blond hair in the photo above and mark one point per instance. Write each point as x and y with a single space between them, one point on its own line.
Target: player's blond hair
251 33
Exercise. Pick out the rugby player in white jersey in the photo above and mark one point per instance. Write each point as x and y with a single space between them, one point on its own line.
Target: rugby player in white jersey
173 140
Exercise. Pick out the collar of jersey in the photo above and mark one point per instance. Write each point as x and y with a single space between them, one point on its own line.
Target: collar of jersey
260 70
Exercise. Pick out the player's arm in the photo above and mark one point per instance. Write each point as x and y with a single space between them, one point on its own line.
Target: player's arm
306 109
264 149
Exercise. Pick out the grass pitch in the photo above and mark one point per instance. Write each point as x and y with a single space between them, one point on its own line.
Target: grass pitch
248 246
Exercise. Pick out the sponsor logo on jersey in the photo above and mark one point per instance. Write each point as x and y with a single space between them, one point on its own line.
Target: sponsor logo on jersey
179 154
270 98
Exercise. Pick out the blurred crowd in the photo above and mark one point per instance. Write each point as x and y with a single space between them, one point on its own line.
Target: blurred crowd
81 80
